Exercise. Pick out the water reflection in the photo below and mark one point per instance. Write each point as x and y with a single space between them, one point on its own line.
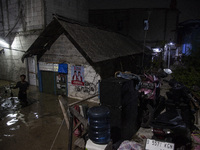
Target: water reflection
8 135
11 102
11 115
9 110
13 129
32 127
36 115
12 121
15 117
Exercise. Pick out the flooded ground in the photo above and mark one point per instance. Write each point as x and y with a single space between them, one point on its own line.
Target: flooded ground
33 127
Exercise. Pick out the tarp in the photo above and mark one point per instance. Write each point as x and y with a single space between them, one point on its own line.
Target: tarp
63 68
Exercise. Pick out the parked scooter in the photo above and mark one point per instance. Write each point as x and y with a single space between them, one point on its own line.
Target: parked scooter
150 101
176 124
170 127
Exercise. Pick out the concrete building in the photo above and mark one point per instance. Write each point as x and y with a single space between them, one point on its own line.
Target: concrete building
162 17
93 52
189 9
21 21
154 26
189 36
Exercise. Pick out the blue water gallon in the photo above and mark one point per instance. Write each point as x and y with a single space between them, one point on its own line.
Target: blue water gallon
99 124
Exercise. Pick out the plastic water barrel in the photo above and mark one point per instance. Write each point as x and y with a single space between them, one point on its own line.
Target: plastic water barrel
99 124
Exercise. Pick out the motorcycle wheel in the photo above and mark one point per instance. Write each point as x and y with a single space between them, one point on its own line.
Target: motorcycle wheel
147 116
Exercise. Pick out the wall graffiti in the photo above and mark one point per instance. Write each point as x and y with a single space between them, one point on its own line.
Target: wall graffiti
88 87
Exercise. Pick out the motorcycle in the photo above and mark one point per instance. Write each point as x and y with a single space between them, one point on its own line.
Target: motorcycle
176 123
169 127
150 101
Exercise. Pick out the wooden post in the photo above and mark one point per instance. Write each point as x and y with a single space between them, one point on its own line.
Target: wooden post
65 109
69 113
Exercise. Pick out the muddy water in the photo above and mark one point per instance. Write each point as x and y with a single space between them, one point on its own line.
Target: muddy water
33 127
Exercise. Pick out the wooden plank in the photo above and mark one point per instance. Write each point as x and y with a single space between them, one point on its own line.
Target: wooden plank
76 126
79 117
65 109
78 102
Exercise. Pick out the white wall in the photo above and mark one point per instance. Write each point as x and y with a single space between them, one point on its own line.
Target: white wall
91 77
63 51
24 20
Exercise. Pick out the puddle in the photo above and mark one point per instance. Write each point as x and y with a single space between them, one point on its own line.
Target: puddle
12 121
14 128
8 135
32 127
8 107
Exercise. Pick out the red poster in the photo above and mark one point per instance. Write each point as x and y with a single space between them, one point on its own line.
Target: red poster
77 73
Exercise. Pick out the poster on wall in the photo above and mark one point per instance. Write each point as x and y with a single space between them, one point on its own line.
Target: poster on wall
77 74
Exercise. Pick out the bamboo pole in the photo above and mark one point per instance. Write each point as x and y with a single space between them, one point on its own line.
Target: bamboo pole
78 102
65 109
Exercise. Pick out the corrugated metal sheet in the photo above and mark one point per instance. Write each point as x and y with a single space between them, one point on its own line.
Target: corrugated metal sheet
95 44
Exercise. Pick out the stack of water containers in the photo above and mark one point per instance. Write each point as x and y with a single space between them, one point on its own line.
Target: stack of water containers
99 125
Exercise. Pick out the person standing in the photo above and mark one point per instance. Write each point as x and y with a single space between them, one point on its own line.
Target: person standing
23 87
79 78
74 77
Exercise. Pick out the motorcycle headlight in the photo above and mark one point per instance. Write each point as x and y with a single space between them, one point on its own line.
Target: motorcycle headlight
167 131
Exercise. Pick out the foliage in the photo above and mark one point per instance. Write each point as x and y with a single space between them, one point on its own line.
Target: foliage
189 73
188 76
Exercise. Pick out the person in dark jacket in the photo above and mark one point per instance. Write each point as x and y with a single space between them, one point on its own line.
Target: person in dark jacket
23 87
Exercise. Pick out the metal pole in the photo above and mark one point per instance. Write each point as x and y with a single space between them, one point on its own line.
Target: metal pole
70 132
169 57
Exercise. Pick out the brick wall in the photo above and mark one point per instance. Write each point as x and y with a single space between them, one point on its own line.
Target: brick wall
34 14
10 61
20 15
24 21
63 51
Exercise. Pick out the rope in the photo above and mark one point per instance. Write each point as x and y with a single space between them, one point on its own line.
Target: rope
57 134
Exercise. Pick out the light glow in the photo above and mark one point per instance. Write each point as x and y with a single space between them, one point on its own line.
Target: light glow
4 44
12 121
156 50
171 43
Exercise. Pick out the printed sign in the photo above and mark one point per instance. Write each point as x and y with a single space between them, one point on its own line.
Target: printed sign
48 66
77 74
61 68
158 145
